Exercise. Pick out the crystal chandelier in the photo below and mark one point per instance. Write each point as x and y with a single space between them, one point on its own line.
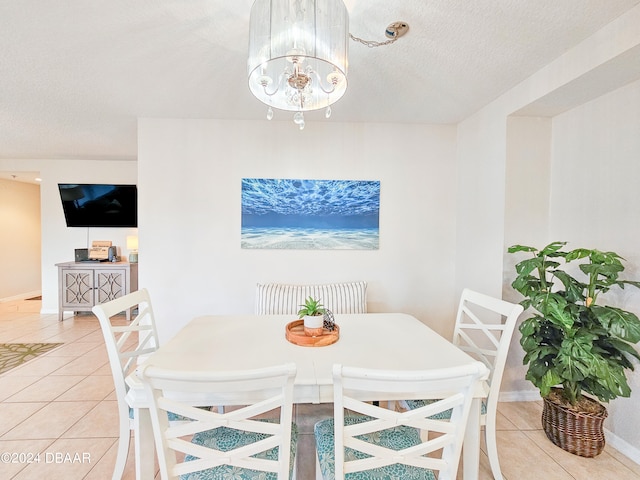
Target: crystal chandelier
298 55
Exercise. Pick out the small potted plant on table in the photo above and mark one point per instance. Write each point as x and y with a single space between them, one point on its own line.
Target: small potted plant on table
312 313
572 344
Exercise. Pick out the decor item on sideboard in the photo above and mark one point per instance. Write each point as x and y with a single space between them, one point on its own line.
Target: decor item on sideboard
312 313
103 251
132 246
573 345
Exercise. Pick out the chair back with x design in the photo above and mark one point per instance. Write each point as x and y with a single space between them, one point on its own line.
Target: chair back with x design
256 440
127 342
381 443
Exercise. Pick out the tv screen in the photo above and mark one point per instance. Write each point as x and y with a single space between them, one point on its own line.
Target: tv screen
99 205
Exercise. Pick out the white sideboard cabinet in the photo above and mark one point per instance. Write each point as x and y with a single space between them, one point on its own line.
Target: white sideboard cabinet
81 285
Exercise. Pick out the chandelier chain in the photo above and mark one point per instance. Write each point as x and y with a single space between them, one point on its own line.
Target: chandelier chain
371 43
393 33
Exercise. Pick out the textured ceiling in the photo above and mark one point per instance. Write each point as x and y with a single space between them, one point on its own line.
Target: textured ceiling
75 74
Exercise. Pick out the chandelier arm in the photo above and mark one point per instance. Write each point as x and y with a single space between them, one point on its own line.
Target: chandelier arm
327 91
277 84
264 88
319 81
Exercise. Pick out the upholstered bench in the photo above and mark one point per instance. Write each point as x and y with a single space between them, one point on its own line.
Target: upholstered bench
283 299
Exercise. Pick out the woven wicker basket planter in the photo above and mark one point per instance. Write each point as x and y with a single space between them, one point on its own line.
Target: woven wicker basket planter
579 433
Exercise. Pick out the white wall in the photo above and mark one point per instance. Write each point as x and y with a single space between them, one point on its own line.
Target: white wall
595 203
19 239
189 176
59 241
480 201
526 215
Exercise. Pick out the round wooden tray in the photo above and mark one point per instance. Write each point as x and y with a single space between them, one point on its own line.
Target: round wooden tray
294 332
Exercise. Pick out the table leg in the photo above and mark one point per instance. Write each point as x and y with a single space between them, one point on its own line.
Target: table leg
144 444
471 446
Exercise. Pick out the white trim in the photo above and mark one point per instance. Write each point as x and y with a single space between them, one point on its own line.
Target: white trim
22 296
520 396
625 448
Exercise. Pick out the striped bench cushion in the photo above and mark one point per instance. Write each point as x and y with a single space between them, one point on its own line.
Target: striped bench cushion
281 299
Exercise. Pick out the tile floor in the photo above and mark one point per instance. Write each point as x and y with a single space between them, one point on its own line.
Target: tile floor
62 404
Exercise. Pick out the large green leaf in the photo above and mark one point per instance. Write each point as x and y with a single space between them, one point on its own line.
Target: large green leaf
609 384
521 248
526 285
623 347
529 326
576 361
550 379
530 344
527 266
577 254
553 249
597 256
554 308
622 283
609 271
573 288
620 323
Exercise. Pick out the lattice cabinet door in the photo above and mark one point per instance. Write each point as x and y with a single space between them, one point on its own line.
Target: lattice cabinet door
77 288
110 284
81 285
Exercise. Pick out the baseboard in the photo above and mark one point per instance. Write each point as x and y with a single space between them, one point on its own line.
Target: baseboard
625 448
520 396
622 446
22 296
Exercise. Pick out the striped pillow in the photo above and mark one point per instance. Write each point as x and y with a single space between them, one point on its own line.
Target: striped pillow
281 299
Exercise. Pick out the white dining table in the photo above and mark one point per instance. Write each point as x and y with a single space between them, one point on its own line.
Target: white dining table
235 342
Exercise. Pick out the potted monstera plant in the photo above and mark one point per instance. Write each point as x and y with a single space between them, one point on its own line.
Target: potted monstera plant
312 314
576 345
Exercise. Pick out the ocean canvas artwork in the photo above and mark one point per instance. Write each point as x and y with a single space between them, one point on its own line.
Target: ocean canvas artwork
310 214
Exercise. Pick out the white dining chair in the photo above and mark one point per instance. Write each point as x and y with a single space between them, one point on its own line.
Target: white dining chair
377 442
484 328
254 441
126 343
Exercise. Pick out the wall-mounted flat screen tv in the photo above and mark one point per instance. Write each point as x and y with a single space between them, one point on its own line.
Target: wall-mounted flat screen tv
99 205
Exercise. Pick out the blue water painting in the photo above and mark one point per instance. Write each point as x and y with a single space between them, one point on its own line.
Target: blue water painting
310 214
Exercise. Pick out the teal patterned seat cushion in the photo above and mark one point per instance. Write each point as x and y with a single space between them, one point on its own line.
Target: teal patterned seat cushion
225 439
413 404
395 438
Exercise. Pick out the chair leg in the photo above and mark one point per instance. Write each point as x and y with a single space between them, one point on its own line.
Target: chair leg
492 448
318 471
123 451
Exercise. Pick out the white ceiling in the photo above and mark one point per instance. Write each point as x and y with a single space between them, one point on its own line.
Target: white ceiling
75 74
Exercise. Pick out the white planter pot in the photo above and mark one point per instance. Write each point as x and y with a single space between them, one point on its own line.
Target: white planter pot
313 325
